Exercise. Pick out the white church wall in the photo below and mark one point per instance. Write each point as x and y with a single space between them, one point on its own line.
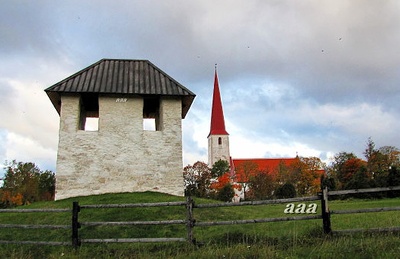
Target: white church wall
218 148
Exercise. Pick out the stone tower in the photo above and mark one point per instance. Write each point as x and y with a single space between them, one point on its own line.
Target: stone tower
120 129
218 139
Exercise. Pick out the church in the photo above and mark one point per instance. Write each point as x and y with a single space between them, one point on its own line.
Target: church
218 142
218 138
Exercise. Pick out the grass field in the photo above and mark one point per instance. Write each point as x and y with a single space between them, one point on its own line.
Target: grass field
290 239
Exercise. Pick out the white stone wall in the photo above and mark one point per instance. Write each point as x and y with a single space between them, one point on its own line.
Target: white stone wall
120 156
218 151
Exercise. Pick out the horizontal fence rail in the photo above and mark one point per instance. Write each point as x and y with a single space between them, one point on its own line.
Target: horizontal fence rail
365 210
133 240
76 241
194 223
252 221
34 226
369 190
190 218
51 243
133 205
33 210
135 223
327 213
252 203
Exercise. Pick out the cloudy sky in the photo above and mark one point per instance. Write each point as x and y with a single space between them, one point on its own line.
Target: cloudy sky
313 77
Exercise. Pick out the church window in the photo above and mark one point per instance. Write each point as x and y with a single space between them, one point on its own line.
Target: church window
89 112
151 116
219 141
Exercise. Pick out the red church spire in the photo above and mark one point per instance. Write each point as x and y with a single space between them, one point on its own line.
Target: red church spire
217 114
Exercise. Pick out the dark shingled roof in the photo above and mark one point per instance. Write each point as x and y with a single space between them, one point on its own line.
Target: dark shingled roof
121 76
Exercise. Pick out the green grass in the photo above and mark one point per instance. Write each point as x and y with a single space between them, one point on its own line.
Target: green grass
290 239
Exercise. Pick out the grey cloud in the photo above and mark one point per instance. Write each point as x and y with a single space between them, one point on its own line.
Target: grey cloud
342 53
7 93
26 27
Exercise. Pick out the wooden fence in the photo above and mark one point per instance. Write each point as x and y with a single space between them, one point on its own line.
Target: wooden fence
327 213
33 226
190 220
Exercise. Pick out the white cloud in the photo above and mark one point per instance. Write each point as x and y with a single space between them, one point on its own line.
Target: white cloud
30 113
25 149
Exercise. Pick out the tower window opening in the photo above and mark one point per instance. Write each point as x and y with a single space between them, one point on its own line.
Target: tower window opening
219 141
89 112
151 116
91 124
149 124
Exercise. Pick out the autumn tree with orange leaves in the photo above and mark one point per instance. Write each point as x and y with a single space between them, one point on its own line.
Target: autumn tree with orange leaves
197 178
205 182
310 175
25 183
304 174
261 186
244 172
223 184
350 172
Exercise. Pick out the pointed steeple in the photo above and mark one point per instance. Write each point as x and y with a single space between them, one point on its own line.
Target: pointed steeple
218 139
217 113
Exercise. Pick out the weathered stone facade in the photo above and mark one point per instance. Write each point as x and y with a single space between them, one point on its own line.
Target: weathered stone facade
120 156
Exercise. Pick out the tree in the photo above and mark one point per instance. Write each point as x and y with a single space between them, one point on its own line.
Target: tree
219 168
359 180
393 180
285 191
303 173
286 174
244 172
220 182
344 166
47 185
310 171
391 155
383 160
25 183
226 193
394 177
371 155
197 179
379 161
329 182
261 186
350 168
223 186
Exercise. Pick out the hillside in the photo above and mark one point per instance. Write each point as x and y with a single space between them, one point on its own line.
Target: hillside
273 240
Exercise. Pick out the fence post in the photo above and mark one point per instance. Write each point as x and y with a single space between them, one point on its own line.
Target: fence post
75 225
326 215
190 219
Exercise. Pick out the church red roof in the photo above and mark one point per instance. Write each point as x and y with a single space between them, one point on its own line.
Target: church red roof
217 114
265 164
269 165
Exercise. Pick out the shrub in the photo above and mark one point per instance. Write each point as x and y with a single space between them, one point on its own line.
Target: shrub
285 191
226 193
